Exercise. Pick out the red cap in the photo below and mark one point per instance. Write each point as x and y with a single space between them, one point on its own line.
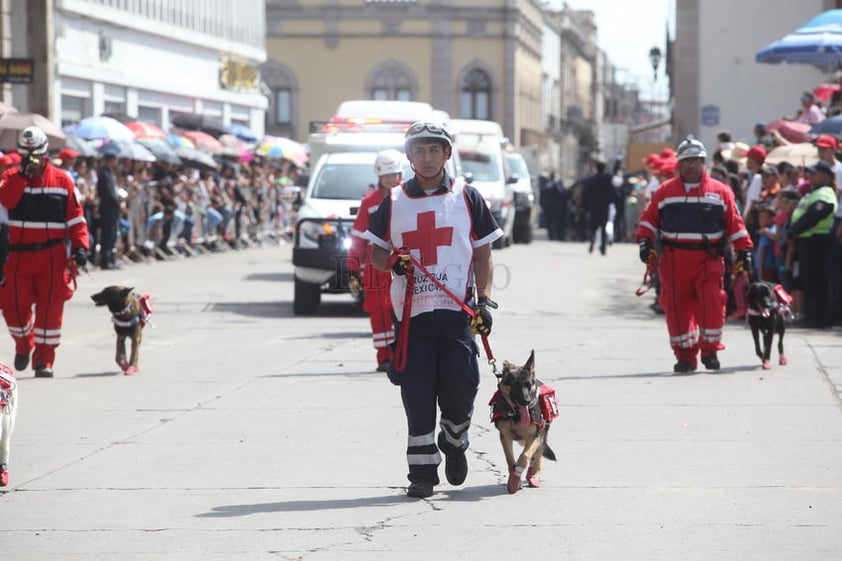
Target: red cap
669 166
667 153
826 141
16 158
6 161
757 153
67 154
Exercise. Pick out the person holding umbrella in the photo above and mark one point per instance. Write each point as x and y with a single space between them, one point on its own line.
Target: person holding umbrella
43 211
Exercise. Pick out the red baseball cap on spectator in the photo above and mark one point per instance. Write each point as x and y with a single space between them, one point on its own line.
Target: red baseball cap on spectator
826 141
757 153
667 153
669 166
67 154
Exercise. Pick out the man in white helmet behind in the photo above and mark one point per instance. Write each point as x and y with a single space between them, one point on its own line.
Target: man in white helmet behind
388 167
44 214
695 217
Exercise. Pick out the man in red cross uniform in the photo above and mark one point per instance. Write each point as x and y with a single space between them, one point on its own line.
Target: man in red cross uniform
695 217
377 303
445 225
44 215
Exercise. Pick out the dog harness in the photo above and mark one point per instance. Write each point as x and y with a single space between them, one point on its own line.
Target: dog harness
541 411
7 385
780 307
125 317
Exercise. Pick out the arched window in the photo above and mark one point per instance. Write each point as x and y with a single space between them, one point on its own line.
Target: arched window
391 81
475 95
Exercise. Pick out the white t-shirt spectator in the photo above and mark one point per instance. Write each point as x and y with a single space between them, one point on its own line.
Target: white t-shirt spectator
755 188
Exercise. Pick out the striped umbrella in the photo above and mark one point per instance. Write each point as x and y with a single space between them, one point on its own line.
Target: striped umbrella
819 42
278 147
177 141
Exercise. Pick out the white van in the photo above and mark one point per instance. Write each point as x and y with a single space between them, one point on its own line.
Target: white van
480 146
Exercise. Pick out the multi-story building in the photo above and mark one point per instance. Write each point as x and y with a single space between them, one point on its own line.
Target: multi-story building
717 83
149 59
471 58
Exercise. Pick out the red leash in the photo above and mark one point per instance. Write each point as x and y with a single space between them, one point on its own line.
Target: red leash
403 336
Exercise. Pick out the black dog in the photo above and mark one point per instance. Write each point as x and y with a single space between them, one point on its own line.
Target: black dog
130 313
767 305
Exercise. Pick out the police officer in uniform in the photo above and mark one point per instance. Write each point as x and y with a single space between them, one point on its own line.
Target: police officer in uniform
445 225
812 223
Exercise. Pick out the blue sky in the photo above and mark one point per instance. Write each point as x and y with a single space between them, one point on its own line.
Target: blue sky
627 31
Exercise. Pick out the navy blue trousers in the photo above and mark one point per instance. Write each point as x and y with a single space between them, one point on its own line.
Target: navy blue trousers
441 373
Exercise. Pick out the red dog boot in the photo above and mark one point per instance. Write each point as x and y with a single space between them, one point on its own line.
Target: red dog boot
531 480
766 365
4 476
131 370
514 479
783 361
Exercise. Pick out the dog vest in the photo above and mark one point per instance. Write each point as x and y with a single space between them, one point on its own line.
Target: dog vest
542 411
124 318
781 305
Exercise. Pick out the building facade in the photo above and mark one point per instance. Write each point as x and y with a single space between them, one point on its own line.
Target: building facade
149 59
717 83
471 58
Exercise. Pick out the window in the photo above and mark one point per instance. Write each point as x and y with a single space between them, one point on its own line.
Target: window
391 81
475 99
73 109
283 107
150 115
114 107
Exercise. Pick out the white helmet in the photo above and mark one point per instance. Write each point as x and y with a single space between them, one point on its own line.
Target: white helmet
388 161
32 140
426 130
690 148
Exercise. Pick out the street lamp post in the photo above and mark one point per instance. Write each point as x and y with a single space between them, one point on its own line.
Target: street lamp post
655 59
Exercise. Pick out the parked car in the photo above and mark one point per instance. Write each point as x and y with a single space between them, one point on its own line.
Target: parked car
525 211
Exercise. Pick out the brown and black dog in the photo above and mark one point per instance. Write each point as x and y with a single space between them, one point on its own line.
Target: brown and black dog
522 409
130 313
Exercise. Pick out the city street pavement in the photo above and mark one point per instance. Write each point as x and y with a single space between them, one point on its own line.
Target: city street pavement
252 434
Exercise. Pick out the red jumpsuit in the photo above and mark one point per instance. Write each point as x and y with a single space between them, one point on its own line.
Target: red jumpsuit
694 227
44 215
376 301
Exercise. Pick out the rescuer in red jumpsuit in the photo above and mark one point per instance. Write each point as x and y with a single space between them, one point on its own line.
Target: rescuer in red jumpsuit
44 216
375 284
695 217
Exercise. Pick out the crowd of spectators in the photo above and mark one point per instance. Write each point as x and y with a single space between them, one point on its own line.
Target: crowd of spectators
787 252
153 210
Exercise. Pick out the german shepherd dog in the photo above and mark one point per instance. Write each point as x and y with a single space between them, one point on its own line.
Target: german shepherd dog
8 410
522 409
767 305
130 313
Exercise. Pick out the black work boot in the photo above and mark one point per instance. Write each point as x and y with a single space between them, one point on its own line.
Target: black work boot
42 371
683 366
21 361
711 362
420 489
456 467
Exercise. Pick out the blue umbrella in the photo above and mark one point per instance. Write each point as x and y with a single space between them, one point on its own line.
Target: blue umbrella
102 127
242 132
819 42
